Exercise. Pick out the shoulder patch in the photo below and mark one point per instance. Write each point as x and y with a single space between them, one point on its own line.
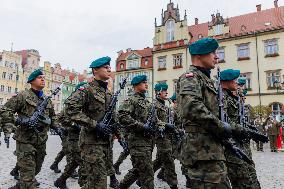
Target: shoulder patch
82 88
188 75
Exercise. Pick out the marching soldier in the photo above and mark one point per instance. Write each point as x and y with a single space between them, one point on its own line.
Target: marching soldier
30 144
164 157
241 174
133 114
202 154
87 107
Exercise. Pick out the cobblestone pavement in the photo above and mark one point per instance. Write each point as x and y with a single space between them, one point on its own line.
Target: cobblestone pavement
269 167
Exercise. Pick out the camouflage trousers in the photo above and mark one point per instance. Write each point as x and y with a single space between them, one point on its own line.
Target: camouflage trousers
208 174
63 152
73 154
29 159
97 163
141 158
123 155
242 176
272 142
165 159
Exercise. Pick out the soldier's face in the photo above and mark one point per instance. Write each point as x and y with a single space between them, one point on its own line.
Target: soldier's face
164 94
209 60
102 73
141 87
233 86
38 83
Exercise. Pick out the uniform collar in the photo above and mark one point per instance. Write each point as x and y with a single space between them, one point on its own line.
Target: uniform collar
100 84
205 71
140 94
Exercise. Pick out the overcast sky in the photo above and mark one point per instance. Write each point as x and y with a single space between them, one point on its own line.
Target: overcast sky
74 32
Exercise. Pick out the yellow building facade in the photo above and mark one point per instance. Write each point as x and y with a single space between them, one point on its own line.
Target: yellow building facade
12 78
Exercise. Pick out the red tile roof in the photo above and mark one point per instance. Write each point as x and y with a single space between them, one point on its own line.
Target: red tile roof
252 22
144 53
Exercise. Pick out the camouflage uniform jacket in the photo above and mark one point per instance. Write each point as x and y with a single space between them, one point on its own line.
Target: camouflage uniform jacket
86 107
259 125
198 106
24 104
232 110
162 114
133 114
72 132
273 127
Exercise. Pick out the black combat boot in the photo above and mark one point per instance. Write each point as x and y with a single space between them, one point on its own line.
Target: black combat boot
116 168
174 187
114 182
138 183
188 184
60 183
15 173
54 167
37 183
161 175
74 175
15 187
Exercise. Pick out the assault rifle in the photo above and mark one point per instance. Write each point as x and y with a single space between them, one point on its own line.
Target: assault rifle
228 143
108 115
38 115
252 131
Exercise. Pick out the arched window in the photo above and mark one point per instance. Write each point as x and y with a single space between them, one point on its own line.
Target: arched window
170 25
121 66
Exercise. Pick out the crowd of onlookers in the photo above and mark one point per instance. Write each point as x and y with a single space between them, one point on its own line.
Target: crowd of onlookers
273 129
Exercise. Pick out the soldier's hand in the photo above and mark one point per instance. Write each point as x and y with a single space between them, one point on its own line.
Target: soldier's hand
170 127
103 129
227 130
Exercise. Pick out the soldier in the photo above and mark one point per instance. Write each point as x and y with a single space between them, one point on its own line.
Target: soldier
202 153
273 131
259 125
60 155
164 156
30 144
133 114
87 107
241 174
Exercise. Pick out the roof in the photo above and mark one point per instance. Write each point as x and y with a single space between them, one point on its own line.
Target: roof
144 53
247 23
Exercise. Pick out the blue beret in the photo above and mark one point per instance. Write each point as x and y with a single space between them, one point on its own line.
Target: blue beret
80 85
100 62
229 74
161 86
34 75
138 79
174 97
203 46
242 81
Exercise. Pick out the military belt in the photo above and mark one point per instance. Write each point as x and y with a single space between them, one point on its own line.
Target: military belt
194 129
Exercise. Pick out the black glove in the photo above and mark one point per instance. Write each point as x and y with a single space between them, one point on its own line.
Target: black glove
227 130
26 122
103 129
147 127
170 127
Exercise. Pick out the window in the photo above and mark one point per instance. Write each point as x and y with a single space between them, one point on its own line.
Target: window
218 29
177 60
133 64
1 101
4 75
121 66
175 85
10 76
146 61
276 108
162 63
2 88
16 90
272 77
243 51
170 24
17 77
9 89
248 79
271 47
221 54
